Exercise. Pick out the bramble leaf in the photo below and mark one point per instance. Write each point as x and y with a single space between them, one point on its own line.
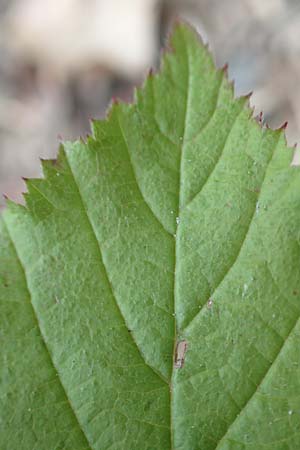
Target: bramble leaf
150 289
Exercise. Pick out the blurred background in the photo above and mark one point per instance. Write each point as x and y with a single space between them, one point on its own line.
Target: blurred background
62 60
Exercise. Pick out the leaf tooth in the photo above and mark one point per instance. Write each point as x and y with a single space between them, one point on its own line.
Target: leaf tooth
112 107
115 100
150 73
259 118
283 126
29 183
11 205
25 196
282 129
33 184
48 166
224 69
81 140
90 140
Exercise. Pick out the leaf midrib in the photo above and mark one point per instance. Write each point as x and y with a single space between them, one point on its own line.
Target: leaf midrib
179 207
177 231
177 248
217 287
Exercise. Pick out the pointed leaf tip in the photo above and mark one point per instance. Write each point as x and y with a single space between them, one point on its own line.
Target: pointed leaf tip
283 126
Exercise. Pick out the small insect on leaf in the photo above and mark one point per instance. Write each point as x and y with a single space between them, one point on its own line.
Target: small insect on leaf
180 354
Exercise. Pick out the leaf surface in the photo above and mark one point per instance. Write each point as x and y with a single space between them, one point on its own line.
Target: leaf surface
150 287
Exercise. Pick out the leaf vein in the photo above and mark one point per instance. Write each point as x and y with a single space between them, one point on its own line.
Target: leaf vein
45 343
267 373
239 250
106 274
136 180
216 164
211 116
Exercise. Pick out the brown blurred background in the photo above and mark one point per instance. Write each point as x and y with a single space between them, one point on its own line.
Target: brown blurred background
62 60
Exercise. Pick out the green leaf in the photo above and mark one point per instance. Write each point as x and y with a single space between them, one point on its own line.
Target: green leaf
150 289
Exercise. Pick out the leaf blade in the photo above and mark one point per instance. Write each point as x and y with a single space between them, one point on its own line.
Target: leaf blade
23 385
171 220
